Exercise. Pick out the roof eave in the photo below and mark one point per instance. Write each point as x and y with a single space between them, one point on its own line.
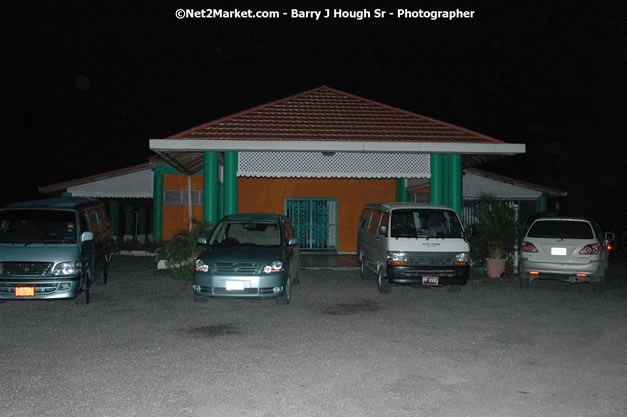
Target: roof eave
161 146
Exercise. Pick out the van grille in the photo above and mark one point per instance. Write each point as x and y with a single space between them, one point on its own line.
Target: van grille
25 268
430 259
243 268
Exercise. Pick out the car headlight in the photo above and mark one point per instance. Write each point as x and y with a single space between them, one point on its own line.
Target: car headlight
67 268
275 266
201 266
397 258
461 258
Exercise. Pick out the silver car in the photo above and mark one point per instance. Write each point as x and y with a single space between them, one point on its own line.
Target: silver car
568 249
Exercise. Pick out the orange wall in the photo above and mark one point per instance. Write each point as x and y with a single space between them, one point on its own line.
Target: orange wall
268 195
176 218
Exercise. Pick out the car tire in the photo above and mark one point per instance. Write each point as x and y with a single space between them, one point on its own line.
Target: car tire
201 299
454 288
524 280
83 297
363 269
598 286
382 283
286 297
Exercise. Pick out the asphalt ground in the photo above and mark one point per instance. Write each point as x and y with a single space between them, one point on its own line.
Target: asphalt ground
142 347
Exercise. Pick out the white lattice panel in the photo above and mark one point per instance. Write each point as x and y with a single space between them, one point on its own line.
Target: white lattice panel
338 165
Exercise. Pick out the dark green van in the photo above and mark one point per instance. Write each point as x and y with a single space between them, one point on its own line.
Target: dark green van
53 248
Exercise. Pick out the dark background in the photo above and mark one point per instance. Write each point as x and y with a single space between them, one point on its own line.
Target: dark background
85 86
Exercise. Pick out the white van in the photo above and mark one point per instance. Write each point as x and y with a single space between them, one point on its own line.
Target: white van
413 244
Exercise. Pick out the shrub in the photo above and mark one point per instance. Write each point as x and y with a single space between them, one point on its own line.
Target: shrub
181 251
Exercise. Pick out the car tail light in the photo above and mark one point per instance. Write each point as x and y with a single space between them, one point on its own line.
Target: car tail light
592 249
582 275
610 247
534 273
528 247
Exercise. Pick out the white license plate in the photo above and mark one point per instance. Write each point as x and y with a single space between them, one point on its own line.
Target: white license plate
429 280
234 285
558 251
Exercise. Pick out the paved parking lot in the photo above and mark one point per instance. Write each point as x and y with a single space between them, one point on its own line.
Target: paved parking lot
143 348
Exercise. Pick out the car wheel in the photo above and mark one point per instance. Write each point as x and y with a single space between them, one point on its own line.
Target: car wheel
524 280
200 299
383 283
453 288
598 286
105 272
286 297
83 297
363 269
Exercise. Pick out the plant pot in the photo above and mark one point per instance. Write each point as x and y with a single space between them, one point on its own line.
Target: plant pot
495 267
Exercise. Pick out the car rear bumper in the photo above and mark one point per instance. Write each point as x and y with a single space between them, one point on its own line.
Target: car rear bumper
247 286
421 275
45 289
562 272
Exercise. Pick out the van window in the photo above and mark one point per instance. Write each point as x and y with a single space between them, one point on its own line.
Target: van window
93 220
37 226
426 223
102 218
374 223
365 218
384 221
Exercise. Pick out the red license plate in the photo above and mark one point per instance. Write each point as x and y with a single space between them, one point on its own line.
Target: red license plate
24 291
430 280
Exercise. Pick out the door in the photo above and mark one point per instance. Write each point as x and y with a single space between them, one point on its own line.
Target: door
314 221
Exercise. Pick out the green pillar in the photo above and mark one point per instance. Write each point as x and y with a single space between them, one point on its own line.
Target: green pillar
446 179
114 218
541 204
435 183
141 222
157 218
455 191
129 220
402 193
210 187
230 183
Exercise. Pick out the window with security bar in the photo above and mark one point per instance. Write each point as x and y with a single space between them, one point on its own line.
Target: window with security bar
314 221
181 198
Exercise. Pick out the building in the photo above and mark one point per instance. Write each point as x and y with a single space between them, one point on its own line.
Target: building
318 156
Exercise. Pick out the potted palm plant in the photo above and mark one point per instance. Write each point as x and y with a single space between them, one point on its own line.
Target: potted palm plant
497 232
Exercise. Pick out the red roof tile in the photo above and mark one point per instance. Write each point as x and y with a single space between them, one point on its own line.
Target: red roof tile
326 114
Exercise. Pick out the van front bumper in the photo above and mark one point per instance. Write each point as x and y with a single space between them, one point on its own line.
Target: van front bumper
424 275
45 289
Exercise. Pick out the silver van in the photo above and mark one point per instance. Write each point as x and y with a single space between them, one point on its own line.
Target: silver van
53 248
413 244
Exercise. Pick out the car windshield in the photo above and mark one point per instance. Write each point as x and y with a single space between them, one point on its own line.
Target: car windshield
425 223
561 229
37 226
231 234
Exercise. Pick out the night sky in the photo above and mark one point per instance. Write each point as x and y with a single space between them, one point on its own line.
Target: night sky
85 86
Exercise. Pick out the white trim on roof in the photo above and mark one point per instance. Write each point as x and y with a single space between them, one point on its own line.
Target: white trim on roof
138 184
201 145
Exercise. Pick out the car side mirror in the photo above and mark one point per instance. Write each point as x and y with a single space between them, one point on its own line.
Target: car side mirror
293 241
201 241
383 230
609 236
87 236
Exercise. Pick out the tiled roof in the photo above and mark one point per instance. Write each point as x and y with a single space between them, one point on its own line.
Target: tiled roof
331 115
